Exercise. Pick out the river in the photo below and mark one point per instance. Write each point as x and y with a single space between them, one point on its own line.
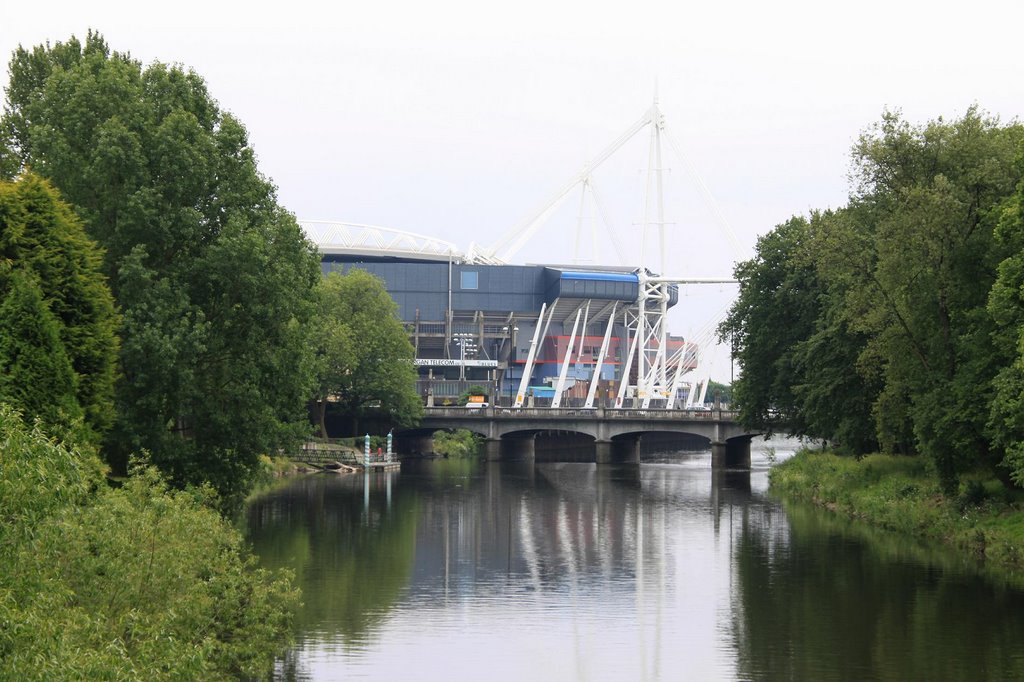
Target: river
464 570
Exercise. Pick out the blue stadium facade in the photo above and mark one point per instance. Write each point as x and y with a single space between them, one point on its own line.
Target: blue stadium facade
473 325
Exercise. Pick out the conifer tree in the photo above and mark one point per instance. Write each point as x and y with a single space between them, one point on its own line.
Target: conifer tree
57 302
35 373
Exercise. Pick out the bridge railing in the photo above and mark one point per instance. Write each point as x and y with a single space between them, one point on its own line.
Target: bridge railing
599 413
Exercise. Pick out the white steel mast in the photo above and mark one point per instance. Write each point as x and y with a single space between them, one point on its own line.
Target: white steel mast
646 324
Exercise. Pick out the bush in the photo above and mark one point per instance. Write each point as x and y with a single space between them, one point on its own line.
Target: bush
973 494
458 443
134 583
471 391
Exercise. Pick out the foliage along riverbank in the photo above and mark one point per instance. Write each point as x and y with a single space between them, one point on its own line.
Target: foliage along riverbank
985 521
895 323
136 582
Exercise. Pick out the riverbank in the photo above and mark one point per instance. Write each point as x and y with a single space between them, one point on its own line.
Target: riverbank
985 521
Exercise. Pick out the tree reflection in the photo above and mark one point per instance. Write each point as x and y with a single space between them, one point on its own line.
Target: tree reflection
833 601
351 559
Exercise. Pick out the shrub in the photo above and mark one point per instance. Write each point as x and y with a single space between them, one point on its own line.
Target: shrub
134 583
458 443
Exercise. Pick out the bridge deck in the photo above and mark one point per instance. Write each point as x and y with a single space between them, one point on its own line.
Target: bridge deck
599 413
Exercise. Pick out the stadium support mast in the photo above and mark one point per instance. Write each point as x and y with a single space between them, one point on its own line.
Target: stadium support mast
657 376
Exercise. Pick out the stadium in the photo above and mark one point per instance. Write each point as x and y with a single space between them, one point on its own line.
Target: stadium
487 326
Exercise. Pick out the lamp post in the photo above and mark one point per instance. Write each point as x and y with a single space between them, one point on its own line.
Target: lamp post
462 338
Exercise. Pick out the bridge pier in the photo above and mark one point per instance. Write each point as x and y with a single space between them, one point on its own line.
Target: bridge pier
731 454
492 449
718 455
622 451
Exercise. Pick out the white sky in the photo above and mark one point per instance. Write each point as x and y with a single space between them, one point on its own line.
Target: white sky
457 119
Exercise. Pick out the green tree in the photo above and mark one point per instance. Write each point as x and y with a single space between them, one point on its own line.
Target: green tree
59 347
921 259
718 391
776 309
801 362
336 354
35 372
1006 306
471 391
457 443
366 357
838 386
214 279
881 305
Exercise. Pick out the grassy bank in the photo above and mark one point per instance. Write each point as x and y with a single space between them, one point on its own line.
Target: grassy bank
902 494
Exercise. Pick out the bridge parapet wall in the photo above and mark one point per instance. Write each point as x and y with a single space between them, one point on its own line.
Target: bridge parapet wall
616 432
600 423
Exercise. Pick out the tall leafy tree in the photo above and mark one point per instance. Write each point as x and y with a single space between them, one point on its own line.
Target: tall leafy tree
922 260
801 369
1006 305
366 360
59 340
215 280
881 306
776 309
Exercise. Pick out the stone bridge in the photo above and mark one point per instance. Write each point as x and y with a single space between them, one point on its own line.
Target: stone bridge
509 433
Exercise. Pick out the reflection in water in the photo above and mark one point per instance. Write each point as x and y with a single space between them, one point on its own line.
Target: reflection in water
842 602
352 560
454 569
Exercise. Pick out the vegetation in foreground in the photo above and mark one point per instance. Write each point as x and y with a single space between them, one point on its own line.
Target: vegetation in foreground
985 519
154 297
138 582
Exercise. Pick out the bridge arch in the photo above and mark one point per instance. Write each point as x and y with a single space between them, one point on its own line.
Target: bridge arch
419 440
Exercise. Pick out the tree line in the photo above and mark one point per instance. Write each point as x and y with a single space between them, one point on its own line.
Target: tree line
162 317
895 323
154 295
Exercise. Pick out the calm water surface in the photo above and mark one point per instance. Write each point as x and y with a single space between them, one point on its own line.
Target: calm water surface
456 570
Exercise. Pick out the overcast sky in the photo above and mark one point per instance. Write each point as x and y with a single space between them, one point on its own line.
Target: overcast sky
457 119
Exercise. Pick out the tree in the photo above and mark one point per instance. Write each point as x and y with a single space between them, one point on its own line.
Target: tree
721 393
838 387
472 391
1006 306
336 354
58 348
457 443
215 280
35 372
776 309
801 368
366 359
921 260
881 305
